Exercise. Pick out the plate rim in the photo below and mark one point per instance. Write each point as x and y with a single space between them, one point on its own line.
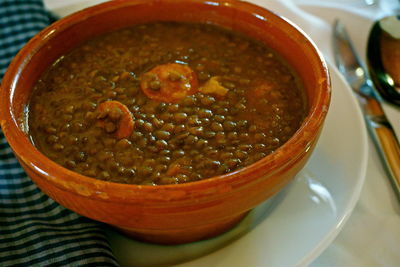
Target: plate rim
362 173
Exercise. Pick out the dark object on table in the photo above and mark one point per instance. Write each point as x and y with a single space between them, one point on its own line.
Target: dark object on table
383 55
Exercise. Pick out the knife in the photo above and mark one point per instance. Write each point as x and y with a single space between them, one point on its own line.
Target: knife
379 127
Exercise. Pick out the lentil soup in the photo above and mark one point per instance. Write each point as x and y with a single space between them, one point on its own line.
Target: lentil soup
165 103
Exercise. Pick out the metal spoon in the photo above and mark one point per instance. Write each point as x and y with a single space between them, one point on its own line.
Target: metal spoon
383 54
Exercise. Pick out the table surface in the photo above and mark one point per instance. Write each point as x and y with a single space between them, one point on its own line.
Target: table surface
371 236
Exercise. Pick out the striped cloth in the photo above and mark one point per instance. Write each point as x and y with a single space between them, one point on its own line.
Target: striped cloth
35 230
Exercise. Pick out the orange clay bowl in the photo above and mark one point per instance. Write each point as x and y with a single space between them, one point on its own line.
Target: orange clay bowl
168 214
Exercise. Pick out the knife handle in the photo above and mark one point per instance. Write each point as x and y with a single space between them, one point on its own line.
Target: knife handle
385 140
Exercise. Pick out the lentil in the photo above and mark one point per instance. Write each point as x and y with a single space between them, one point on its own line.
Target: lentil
253 103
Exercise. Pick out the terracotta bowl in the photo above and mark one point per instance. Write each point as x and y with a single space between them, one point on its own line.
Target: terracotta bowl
167 214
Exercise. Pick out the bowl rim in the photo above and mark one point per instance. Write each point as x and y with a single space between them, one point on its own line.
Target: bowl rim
67 179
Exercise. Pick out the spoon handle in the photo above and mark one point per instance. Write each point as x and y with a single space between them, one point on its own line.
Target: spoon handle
385 138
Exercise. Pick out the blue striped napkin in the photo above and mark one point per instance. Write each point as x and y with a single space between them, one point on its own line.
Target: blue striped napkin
35 230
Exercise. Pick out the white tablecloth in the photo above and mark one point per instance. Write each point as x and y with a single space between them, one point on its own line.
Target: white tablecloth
371 236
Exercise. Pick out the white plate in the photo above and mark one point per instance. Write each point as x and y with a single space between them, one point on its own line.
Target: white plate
298 224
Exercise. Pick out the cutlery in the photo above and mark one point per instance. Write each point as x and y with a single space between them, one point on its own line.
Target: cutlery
383 54
350 65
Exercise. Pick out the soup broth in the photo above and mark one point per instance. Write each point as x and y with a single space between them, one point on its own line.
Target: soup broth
165 103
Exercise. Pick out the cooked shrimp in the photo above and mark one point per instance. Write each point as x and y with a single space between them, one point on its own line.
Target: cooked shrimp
169 82
115 118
